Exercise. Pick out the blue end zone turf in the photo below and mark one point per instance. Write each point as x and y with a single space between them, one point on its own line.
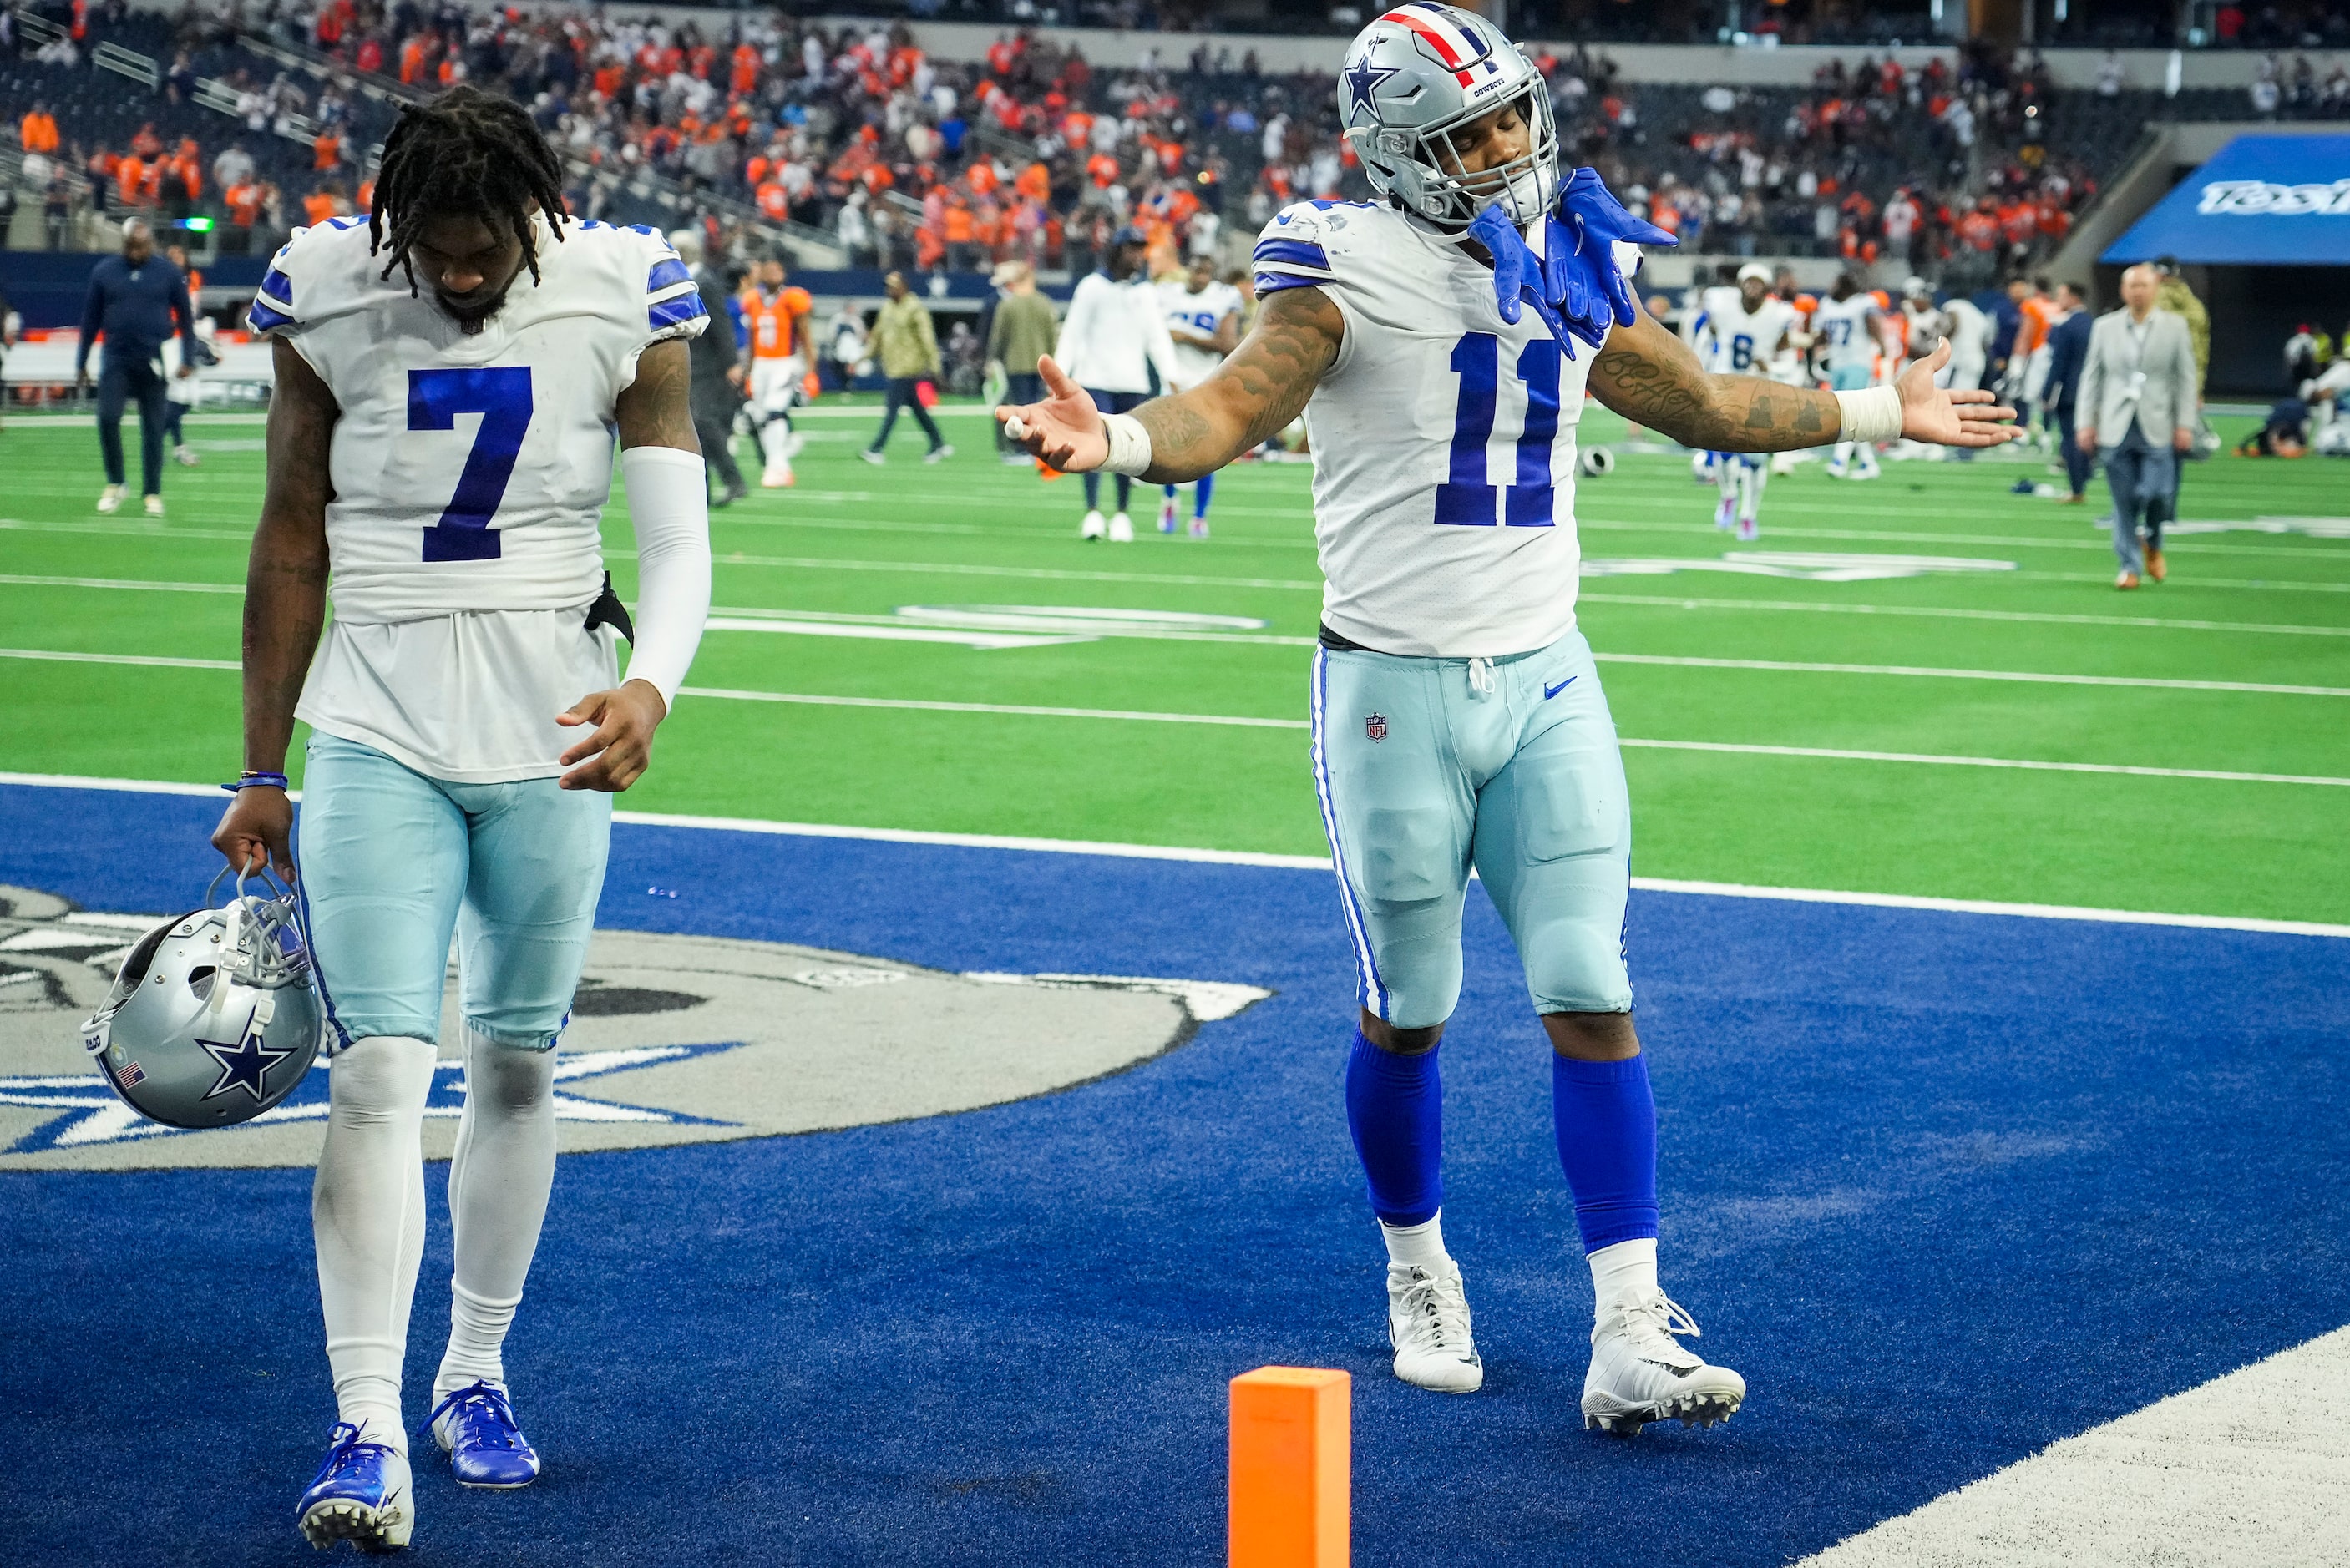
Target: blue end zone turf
1944 1187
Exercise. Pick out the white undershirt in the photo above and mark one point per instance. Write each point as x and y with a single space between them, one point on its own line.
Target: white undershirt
469 698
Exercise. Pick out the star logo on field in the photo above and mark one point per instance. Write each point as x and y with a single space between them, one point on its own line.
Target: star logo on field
1363 79
243 1064
89 1113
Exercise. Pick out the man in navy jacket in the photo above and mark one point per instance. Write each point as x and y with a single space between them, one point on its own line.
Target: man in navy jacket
138 300
2068 347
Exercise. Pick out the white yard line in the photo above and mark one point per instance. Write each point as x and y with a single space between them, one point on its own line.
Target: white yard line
1312 863
2245 1470
2034 618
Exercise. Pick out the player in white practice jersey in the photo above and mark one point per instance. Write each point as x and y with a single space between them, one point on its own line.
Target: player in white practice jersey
1441 344
1849 328
451 378
1203 317
1741 331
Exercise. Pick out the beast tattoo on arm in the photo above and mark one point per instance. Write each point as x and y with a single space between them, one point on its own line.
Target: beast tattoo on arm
1252 395
1651 377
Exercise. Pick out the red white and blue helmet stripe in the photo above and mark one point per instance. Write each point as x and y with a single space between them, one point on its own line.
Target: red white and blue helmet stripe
1463 52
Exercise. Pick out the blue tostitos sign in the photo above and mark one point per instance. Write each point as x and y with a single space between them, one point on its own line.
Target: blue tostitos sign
2261 201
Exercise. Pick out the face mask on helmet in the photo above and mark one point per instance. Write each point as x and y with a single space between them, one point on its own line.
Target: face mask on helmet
1426 93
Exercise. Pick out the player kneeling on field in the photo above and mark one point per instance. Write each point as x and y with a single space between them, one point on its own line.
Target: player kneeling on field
449 377
1458 717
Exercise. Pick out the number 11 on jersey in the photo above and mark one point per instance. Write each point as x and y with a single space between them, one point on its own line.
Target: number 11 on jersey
1467 495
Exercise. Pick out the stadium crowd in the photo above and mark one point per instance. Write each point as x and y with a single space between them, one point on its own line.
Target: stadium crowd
855 136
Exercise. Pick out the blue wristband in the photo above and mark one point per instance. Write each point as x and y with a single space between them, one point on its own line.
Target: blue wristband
256 781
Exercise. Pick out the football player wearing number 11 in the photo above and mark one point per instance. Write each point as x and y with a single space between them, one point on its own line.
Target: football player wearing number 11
450 376
1430 340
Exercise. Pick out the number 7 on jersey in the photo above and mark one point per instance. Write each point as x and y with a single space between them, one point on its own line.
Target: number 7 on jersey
501 395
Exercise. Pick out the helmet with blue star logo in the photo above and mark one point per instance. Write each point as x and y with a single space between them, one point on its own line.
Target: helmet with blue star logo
1416 78
214 1016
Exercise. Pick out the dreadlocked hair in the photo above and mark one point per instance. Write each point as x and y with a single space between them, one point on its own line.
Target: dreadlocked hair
469 152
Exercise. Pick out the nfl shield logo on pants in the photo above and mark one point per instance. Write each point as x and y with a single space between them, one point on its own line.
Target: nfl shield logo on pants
1376 726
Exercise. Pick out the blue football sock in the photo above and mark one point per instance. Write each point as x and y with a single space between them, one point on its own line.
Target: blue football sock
1093 489
1394 1108
1606 1119
1203 488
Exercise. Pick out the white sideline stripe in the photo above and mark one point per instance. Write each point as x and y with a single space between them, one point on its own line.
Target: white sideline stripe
2038 618
22 580
2246 1468
1315 863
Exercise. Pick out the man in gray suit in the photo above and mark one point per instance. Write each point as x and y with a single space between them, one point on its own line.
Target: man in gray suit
2136 412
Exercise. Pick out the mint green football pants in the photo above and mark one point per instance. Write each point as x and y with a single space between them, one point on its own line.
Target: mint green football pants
1426 767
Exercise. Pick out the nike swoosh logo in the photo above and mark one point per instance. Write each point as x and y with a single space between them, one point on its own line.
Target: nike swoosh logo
1551 692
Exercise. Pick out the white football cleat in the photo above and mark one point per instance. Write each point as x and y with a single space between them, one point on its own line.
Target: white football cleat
939 454
1428 1323
185 457
109 498
1198 527
1640 1373
155 506
1749 529
1093 527
869 455
1725 513
1121 529
1167 515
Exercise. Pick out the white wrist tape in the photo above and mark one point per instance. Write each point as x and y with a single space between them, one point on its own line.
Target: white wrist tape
669 501
1129 445
1872 415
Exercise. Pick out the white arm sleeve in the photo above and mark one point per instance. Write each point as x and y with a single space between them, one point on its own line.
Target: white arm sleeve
668 500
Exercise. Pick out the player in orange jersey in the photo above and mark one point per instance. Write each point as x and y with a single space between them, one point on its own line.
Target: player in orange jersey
776 360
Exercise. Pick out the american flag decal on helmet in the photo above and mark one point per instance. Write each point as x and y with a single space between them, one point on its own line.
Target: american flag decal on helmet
1464 51
130 1075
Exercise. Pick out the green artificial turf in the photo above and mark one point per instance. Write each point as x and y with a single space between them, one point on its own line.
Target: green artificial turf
2262 603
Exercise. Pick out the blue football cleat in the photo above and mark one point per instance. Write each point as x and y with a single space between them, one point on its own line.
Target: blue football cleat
360 1494
485 1449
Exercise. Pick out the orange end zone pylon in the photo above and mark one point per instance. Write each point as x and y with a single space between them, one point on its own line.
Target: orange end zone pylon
1291 1456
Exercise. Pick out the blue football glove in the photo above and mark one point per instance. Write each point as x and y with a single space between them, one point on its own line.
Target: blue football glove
1519 279
1584 269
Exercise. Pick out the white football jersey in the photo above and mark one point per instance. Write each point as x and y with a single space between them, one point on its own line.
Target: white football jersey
1443 440
1738 342
1842 327
470 474
1201 313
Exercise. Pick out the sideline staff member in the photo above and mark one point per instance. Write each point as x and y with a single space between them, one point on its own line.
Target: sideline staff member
138 299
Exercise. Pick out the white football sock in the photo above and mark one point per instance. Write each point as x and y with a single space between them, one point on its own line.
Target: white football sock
1420 1245
774 441
1625 1272
1842 453
367 1217
498 1183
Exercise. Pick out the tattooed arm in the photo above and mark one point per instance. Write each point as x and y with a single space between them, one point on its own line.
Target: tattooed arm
1651 377
1253 395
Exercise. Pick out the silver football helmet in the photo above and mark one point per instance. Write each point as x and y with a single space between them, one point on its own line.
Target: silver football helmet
1413 80
214 1016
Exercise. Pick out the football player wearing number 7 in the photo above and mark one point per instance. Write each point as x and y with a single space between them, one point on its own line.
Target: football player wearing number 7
450 376
1431 339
